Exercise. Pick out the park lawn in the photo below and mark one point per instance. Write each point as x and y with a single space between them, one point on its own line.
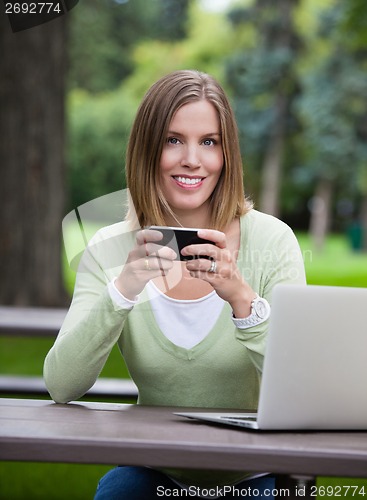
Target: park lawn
49 481
335 265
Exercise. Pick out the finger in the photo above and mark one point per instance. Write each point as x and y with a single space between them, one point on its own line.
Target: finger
204 275
155 266
201 265
146 235
158 251
205 250
213 235
155 273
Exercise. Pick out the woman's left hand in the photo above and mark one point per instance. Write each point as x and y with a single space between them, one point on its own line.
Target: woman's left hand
225 278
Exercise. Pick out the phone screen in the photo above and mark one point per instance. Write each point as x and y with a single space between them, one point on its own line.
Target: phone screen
179 237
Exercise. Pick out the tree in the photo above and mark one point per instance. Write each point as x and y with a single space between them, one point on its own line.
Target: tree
173 15
264 84
333 107
354 24
355 30
98 130
104 33
32 68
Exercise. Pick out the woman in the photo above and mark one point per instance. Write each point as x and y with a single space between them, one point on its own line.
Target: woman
192 332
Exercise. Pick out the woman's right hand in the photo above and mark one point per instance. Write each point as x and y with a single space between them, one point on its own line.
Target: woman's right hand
147 260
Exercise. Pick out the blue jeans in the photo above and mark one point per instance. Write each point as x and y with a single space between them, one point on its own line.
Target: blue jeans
142 483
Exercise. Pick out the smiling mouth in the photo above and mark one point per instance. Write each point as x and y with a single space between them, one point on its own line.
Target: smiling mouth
188 181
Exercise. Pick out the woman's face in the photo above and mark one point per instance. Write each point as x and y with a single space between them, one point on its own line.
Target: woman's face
192 157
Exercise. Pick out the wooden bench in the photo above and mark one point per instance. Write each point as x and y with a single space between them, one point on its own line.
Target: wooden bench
31 321
42 322
106 388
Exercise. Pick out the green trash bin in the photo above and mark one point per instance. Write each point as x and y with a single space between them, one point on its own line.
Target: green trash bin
355 236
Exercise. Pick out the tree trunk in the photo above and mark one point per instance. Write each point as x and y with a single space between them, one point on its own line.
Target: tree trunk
283 37
320 208
32 191
273 162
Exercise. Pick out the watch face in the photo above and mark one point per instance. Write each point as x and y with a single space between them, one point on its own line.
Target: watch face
260 308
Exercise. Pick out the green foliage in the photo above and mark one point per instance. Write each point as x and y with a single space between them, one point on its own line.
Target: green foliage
255 77
262 78
102 35
355 24
98 131
199 50
173 17
332 97
333 105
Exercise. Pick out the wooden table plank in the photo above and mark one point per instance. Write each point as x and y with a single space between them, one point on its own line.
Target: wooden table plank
110 433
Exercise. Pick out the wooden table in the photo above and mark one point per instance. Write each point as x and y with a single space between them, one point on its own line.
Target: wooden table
107 433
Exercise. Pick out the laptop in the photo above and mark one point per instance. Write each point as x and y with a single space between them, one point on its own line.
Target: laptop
315 367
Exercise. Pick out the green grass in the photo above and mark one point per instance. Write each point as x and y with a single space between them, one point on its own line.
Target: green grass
335 265
342 488
24 356
48 481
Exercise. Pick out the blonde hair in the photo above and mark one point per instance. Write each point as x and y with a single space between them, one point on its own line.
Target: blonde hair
146 141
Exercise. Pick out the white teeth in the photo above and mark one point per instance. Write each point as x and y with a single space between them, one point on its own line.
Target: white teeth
186 180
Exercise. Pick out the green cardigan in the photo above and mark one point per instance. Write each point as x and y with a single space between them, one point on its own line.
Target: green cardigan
222 371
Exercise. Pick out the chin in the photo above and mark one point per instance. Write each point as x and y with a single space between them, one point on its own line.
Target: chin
188 205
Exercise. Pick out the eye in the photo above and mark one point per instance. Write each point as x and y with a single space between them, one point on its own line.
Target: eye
172 140
209 142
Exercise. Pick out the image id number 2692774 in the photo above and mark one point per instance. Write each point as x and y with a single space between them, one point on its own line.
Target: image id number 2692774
338 491
32 7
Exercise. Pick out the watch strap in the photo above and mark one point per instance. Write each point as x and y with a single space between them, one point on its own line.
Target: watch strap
260 312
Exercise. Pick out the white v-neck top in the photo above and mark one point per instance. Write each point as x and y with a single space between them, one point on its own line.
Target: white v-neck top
184 326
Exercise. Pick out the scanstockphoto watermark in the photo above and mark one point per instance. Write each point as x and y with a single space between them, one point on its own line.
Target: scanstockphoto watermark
330 491
25 14
222 492
81 225
89 243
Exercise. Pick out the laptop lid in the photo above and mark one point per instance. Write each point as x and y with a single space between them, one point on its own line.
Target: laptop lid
315 367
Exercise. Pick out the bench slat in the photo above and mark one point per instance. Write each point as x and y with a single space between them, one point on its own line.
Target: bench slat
40 322
32 321
105 387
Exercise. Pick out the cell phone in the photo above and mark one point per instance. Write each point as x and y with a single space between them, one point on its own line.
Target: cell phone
179 237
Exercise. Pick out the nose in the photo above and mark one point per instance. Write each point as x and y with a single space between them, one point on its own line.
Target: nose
191 157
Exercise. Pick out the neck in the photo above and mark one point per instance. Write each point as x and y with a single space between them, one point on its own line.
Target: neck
187 219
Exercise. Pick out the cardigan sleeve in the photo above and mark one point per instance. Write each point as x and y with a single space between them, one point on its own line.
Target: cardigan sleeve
91 328
277 260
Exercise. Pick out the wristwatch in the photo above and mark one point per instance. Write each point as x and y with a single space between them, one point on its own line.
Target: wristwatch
260 312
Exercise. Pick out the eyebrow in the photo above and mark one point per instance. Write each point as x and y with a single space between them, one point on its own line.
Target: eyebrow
172 132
